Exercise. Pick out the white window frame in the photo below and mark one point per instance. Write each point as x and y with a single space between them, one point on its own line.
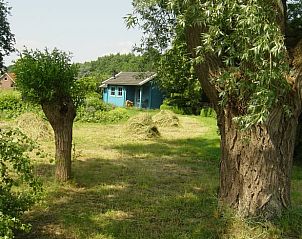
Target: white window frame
118 91
112 92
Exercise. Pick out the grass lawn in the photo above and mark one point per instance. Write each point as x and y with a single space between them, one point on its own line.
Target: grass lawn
161 188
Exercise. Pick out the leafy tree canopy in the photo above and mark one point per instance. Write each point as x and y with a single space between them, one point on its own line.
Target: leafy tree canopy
46 76
242 41
7 39
106 65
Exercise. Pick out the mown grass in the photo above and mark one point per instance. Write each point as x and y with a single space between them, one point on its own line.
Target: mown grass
162 188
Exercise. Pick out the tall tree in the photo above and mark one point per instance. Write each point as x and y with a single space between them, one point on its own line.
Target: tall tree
49 79
177 79
7 39
252 75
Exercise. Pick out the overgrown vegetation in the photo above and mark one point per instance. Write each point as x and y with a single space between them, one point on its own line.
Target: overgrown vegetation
19 189
208 112
96 111
93 109
114 115
12 105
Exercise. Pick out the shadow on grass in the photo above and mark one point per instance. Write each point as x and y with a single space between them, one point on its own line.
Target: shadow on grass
156 189
195 148
166 189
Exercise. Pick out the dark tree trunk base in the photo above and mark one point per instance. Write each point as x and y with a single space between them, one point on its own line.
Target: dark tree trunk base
61 115
256 165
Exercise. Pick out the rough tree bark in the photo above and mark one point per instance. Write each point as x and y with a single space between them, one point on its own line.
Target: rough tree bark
298 143
255 166
61 115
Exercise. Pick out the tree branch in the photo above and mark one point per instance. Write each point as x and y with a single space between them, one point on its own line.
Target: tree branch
203 70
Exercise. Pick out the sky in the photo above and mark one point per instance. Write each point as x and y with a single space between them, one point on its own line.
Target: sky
86 28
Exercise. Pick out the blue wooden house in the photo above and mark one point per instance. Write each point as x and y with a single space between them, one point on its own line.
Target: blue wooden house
137 88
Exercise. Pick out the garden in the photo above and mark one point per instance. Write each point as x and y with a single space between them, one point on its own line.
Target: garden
127 183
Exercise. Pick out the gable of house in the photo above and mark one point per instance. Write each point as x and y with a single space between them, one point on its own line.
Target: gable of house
7 81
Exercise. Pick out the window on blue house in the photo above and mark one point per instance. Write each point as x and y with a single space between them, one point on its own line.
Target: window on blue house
112 91
119 91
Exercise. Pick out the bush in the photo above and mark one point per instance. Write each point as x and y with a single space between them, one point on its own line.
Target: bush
182 105
10 100
208 112
174 109
94 110
16 171
92 116
94 101
12 105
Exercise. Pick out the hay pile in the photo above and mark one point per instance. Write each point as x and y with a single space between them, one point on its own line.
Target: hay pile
166 118
142 126
34 126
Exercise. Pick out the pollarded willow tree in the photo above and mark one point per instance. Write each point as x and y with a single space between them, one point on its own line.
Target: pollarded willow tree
50 79
247 55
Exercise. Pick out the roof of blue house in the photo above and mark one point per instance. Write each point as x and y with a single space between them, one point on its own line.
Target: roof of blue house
129 78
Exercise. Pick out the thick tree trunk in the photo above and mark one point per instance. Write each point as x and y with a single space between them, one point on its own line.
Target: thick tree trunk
256 164
298 143
61 115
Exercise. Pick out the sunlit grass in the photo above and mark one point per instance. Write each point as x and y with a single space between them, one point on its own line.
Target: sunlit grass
125 188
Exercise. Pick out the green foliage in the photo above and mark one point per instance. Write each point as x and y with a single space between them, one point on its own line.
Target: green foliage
173 65
94 110
12 105
19 189
10 100
208 112
94 100
7 39
253 78
44 76
173 108
251 74
113 116
90 84
178 80
104 66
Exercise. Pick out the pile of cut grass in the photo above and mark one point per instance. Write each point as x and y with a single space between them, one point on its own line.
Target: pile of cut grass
34 126
142 126
166 118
